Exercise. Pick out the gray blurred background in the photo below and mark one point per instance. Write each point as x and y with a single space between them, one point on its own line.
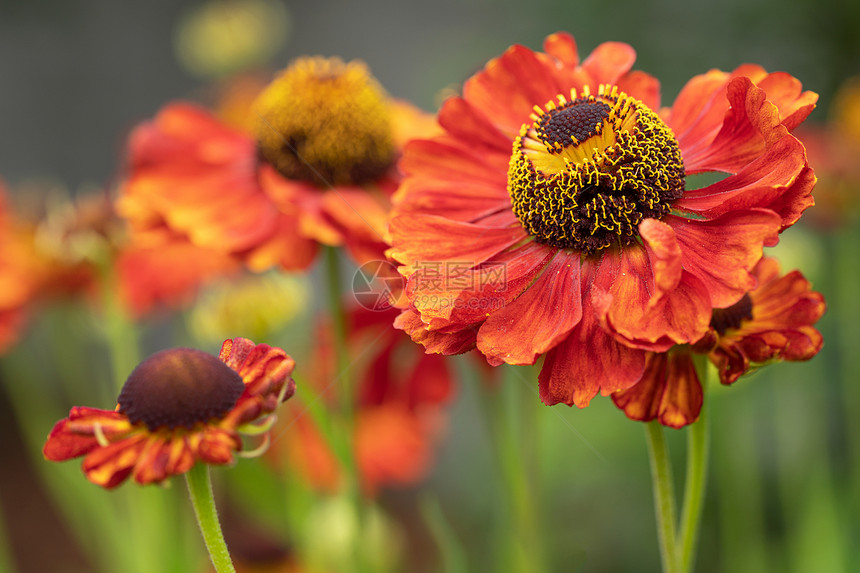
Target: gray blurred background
76 75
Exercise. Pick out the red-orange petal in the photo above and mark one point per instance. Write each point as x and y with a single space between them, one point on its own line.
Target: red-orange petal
391 447
562 46
539 318
608 63
526 80
429 238
110 465
221 204
721 252
784 310
265 370
462 120
587 361
669 391
76 435
455 293
163 269
642 86
302 201
436 341
779 179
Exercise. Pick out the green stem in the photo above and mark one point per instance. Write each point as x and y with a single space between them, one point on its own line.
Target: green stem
664 495
315 407
200 490
511 425
345 440
340 330
697 468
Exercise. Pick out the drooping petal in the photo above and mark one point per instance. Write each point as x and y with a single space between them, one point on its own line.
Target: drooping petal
588 361
784 310
721 252
217 446
539 318
436 341
151 463
669 391
265 370
76 435
110 465
646 297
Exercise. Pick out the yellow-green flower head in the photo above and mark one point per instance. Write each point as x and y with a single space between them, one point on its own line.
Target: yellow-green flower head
256 304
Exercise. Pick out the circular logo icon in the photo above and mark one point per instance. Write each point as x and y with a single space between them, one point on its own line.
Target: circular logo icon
374 284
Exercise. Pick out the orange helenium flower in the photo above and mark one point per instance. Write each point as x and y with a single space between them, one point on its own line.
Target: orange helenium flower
315 167
553 216
399 408
773 322
178 407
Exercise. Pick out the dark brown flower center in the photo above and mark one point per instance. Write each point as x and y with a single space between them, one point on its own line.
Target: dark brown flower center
722 319
179 388
588 170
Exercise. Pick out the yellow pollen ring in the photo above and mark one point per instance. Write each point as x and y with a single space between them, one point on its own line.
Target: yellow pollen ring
325 121
589 168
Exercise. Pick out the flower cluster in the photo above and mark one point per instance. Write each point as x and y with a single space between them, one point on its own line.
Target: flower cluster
577 182
553 211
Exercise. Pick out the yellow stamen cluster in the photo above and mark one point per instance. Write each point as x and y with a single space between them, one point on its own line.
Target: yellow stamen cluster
325 121
590 168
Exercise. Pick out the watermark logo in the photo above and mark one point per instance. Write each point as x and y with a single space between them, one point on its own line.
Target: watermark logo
374 285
